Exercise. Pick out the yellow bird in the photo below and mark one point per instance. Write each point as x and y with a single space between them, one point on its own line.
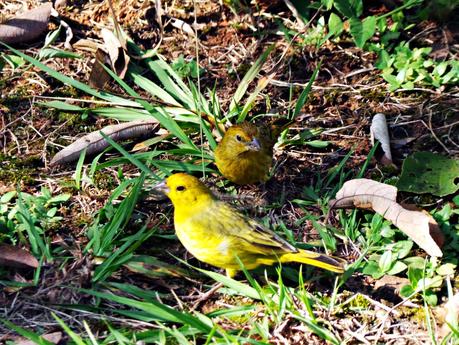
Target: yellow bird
245 154
217 234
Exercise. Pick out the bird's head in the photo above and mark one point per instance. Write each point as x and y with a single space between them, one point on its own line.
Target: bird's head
184 190
242 138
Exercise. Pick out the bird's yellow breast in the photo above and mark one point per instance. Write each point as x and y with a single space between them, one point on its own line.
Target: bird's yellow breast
251 167
201 239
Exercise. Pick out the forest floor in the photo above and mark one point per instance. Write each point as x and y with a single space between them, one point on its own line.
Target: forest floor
333 124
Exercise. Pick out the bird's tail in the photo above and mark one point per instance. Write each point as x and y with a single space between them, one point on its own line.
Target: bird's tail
326 262
278 126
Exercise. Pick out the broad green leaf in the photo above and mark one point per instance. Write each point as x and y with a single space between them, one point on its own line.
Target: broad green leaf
335 25
385 261
397 268
426 172
362 31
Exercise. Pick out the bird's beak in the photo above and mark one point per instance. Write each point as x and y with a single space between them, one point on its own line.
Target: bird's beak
254 145
162 187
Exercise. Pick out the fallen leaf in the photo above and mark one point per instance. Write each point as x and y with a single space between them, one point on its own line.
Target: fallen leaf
119 58
27 26
94 142
54 338
11 256
380 132
382 198
99 76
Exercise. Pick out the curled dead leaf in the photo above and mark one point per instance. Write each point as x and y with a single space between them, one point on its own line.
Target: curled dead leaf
94 142
116 50
379 131
12 256
27 26
380 197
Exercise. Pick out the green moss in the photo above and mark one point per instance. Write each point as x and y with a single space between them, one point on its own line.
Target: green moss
104 181
14 170
416 315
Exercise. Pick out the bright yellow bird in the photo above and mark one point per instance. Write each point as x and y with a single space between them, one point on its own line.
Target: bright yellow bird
215 233
245 154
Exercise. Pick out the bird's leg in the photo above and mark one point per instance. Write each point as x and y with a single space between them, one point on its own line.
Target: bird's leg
206 295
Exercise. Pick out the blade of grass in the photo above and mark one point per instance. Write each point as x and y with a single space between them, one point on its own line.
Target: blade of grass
248 78
305 93
69 81
26 333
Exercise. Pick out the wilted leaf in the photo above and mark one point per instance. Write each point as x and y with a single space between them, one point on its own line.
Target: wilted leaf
11 256
27 26
426 172
380 132
380 197
94 142
54 338
119 58
99 76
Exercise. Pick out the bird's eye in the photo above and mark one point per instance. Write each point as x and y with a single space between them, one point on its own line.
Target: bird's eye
238 137
180 188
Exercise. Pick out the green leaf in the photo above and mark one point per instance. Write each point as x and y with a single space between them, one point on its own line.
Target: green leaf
397 268
402 248
406 291
37 339
446 269
426 172
60 105
51 53
319 144
305 93
362 31
414 275
156 309
335 25
385 261
349 8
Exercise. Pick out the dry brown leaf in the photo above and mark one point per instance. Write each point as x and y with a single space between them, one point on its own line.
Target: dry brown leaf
27 26
382 198
119 58
379 131
99 76
11 256
54 338
94 142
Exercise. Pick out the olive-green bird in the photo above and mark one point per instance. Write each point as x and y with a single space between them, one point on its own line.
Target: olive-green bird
245 154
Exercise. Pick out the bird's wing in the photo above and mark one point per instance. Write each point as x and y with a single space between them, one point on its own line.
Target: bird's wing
250 231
